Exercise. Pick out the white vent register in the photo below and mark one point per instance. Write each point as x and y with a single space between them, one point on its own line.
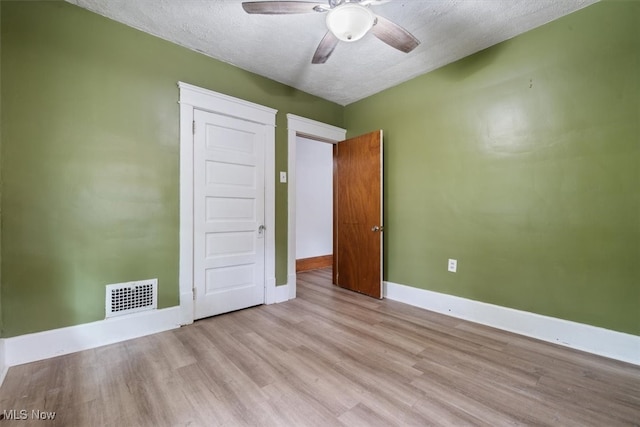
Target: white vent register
131 297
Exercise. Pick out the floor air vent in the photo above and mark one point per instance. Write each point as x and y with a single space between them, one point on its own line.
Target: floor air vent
131 297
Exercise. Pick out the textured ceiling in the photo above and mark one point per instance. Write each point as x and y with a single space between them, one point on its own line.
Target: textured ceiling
280 47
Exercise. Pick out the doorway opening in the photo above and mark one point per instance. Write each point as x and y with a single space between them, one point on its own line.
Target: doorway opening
314 204
300 127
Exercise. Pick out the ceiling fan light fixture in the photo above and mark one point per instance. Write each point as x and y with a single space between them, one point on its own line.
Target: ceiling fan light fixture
350 21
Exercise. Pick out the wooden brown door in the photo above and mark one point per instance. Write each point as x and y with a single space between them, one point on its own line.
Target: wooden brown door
357 260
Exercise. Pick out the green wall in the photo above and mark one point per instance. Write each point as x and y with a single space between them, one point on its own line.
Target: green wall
90 155
523 163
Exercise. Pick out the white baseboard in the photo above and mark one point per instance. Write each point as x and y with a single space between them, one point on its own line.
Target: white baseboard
186 308
56 342
291 282
592 339
3 366
282 293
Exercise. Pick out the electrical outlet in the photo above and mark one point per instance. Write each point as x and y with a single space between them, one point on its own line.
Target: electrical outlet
453 265
283 177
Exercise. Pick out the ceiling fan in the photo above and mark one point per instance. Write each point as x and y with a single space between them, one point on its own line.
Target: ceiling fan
347 20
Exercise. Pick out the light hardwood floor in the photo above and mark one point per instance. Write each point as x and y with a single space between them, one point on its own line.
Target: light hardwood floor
329 357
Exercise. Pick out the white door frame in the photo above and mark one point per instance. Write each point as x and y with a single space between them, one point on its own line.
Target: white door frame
300 126
192 98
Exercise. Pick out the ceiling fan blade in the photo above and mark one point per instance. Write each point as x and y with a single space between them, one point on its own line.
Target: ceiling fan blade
280 7
325 48
394 35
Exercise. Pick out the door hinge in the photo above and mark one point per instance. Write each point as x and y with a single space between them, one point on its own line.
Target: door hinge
193 127
194 293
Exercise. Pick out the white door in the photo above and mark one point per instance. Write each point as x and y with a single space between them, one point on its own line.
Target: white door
228 207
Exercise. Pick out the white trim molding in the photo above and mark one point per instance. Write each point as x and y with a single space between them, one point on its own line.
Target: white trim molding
196 98
3 366
579 336
282 293
301 126
56 342
215 102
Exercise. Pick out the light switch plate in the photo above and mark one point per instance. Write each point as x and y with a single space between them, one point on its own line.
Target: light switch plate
283 177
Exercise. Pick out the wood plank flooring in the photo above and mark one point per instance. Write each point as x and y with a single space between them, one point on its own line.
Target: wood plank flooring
328 358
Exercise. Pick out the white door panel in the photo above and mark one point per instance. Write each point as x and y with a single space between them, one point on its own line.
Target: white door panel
228 213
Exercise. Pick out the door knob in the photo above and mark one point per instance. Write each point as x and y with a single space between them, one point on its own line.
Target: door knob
261 229
377 228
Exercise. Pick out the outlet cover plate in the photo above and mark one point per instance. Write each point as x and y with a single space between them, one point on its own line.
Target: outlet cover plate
453 265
